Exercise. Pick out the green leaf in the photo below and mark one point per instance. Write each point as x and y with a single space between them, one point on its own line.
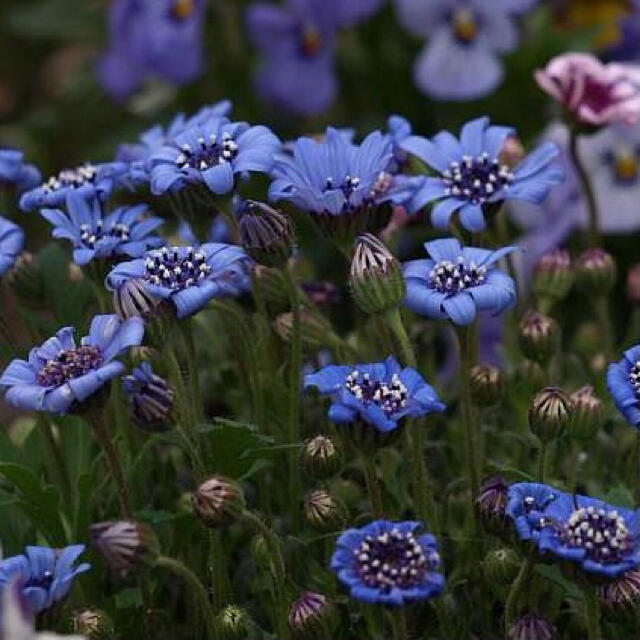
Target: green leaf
40 502
620 496
129 598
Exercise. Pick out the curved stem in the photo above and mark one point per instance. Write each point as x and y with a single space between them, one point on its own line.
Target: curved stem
594 237
592 606
514 593
113 460
293 420
196 587
394 319
373 486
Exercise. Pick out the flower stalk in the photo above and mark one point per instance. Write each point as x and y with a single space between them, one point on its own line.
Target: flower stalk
585 182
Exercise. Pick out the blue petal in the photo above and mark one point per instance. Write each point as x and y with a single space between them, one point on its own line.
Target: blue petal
443 211
460 308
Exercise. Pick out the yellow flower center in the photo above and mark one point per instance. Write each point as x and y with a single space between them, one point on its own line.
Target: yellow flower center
465 27
183 9
626 165
311 41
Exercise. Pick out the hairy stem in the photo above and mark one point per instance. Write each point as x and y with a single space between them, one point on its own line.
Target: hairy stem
583 176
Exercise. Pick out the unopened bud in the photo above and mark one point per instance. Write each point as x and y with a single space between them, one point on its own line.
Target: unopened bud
486 385
27 280
491 503
92 624
550 413
218 501
532 627
596 272
621 593
312 617
539 337
500 567
633 284
511 152
553 275
321 457
324 512
151 398
234 623
587 413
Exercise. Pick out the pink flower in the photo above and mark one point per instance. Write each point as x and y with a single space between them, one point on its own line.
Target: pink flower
595 93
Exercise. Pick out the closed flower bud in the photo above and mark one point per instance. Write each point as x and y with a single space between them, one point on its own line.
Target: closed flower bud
500 567
553 275
324 512
218 501
532 627
511 152
267 234
596 272
151 398
550 413
539 337
621 593
92 624
320 457
234 623
125 545
27 280
633 284
132 299
316 330
486 385
587 413
312 617
376 279
491 503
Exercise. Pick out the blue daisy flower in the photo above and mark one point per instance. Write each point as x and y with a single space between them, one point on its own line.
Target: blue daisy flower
15 171
335 177
388 563
60 374
95 235
623 381
471 175
457 282
380 394
87 180
602 538
526 502
45 575
11 243
212 153
138 154
187 277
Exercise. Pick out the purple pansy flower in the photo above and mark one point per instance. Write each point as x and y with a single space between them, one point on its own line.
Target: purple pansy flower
457 282
460 60
188 277
60 373
11 243
95 235
212 153
152 38
471 175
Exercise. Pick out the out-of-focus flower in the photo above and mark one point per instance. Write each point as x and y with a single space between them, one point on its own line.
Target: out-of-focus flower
594 93
60 374
15 171
137 154
532 626
150 397
95 235
93 624
11 243
491 501
212 153
45 576
187 277
470 175
152 38
602 538
380 394
627 44
388 563
125 545
312 616
338 181
297 41
88 180
218 501
633 284
527 502
460 60
596 271
623 382
456 282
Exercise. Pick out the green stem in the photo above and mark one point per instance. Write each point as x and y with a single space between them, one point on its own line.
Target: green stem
58 457
514 593
113 461
192 363
467 358
400 631
592 608
594 236
603 318
542 461
219 565
394 319
574 463
423 500
373 485
293 419
197 589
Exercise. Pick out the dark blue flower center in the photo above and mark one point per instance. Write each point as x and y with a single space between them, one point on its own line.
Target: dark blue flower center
476 179
209 153
634 379
452 278
117 231
393 559
42 581
171 268
71 178
390 396
347 186
602 534
69 364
